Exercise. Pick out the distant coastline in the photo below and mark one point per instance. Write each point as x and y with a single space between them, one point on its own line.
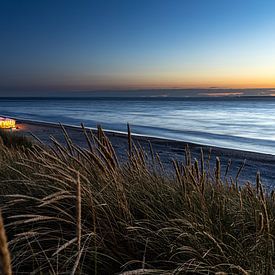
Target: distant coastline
159 92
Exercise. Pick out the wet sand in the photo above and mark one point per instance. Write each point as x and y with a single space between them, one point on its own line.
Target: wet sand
167 150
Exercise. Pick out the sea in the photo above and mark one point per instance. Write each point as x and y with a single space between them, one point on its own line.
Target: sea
245 123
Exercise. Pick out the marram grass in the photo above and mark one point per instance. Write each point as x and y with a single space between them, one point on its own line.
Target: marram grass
71 210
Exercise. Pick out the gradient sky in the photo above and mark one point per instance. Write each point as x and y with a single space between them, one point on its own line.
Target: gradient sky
86 45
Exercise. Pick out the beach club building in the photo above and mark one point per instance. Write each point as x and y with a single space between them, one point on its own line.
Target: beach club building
7 123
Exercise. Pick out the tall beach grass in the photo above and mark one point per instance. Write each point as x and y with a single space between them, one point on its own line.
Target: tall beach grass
72 210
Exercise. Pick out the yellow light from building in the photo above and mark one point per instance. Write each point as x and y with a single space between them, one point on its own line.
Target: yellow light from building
7 123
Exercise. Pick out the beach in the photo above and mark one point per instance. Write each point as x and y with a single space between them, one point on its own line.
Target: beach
168 150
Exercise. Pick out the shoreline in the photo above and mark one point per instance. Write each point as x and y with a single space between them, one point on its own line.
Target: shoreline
155 139
166 148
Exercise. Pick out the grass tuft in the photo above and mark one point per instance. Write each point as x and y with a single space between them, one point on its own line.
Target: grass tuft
11 139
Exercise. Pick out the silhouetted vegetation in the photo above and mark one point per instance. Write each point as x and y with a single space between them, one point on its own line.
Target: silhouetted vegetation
72 210
14 139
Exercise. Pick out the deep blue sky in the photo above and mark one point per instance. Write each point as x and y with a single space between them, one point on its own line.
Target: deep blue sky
119 44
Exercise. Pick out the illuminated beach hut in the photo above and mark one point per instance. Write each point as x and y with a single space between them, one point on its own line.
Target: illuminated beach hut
7 123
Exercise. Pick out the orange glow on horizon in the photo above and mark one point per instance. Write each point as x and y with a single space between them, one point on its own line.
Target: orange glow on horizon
147 80
178 80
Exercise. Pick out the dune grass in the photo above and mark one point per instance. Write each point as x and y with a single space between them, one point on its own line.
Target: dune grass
12 139
71 210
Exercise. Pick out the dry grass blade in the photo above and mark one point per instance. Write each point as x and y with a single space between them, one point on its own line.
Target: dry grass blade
5 260
240 170
67 139
218 169
227 167
143 272
78 212
65 245
129 140
202 161
87 137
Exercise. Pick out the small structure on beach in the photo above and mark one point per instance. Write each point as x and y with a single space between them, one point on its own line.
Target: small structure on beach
7 123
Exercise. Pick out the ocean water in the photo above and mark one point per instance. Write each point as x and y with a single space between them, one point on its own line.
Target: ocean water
237 123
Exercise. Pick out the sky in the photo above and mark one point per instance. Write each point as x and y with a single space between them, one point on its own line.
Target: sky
85 45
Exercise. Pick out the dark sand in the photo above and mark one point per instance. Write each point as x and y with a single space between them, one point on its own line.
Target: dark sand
168 150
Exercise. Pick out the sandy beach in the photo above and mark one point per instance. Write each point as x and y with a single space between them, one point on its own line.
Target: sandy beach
167 150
